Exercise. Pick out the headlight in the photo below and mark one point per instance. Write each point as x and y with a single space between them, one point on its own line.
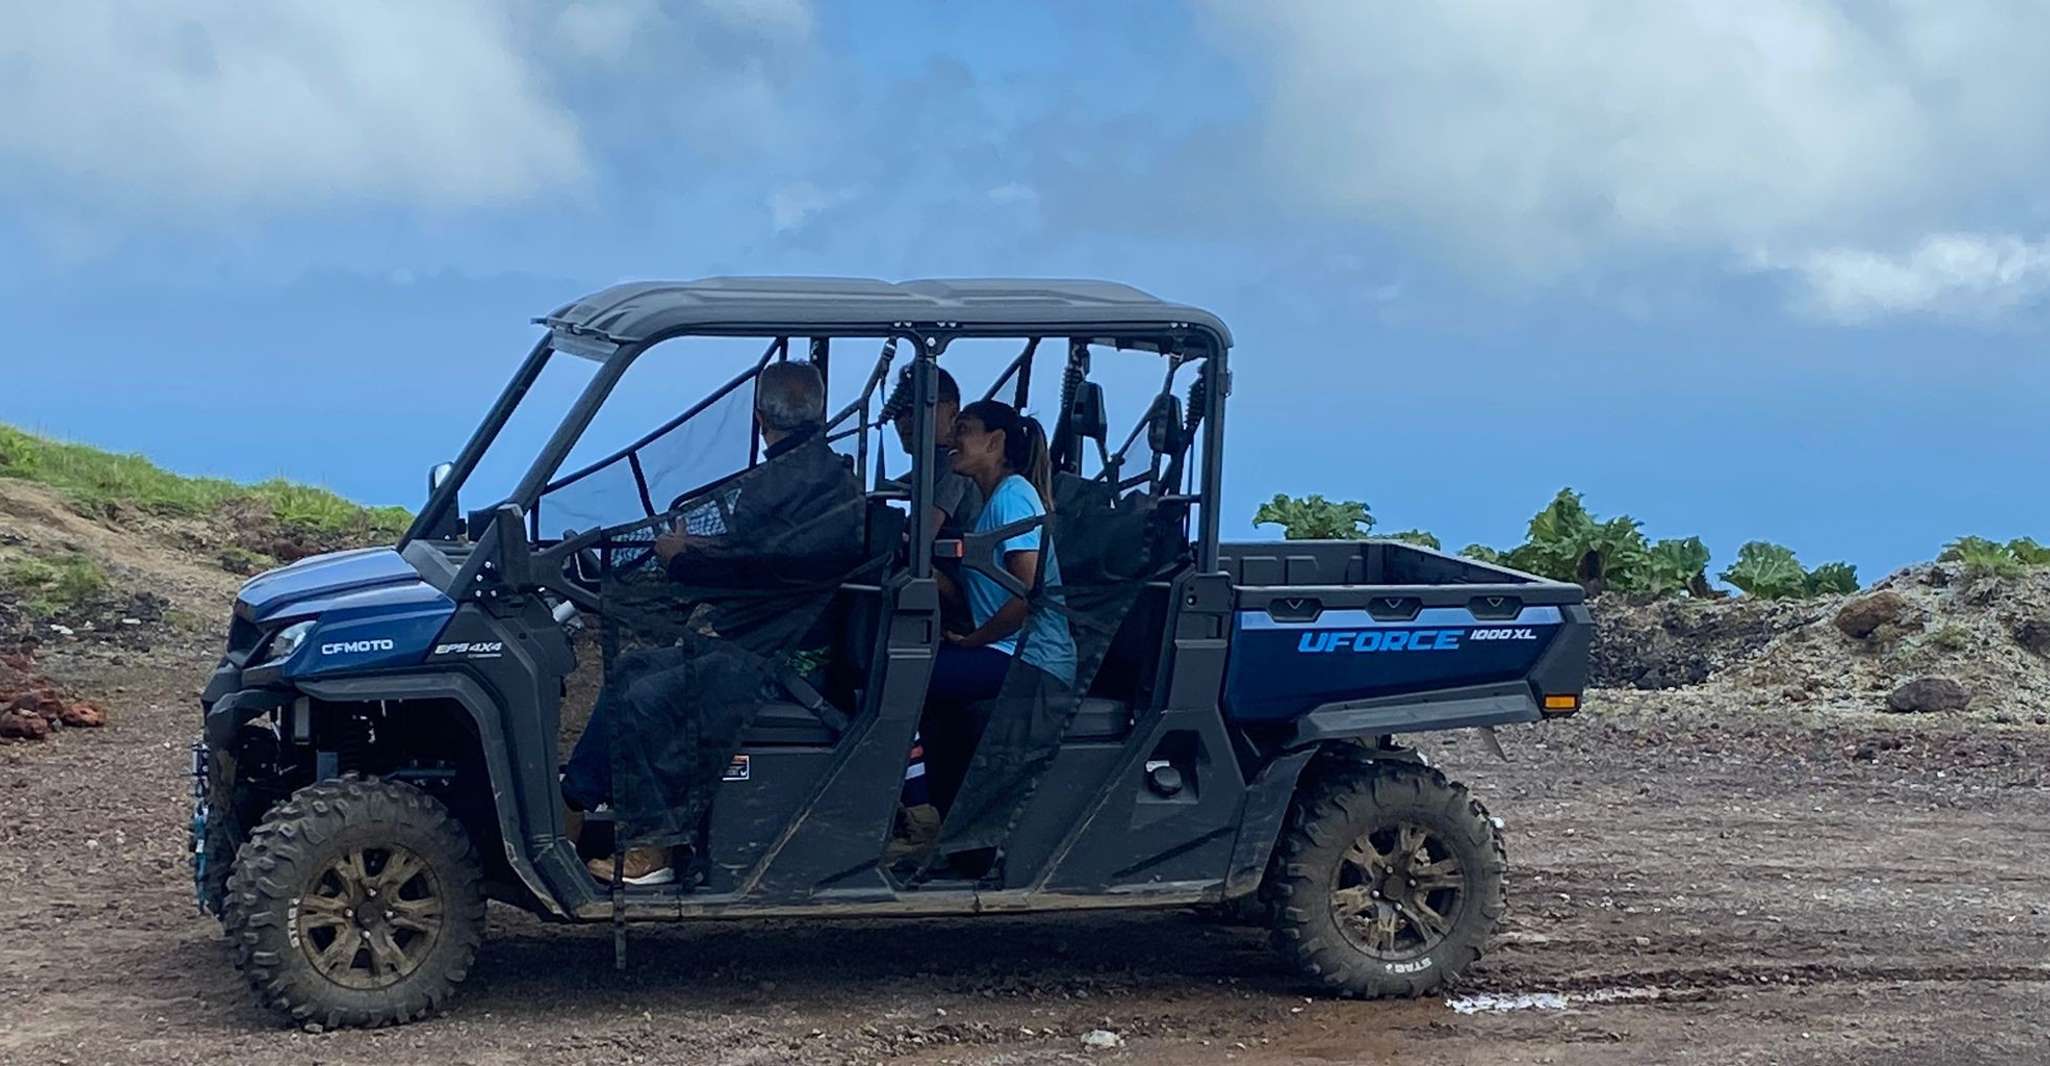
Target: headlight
287 641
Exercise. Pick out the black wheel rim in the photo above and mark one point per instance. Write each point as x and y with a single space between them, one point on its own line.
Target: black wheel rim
370 917
1398 891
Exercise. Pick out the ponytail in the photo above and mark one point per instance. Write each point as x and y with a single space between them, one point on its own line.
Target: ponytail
1038 465
1025 449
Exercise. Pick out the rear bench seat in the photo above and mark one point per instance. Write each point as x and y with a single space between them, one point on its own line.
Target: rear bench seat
790 725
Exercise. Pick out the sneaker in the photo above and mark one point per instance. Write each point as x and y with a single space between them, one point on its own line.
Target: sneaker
917 828
641 867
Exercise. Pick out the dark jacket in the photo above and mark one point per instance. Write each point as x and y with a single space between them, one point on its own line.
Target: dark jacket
794 520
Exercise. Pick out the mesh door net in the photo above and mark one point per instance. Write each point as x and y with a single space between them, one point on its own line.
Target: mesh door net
696 644
1102 548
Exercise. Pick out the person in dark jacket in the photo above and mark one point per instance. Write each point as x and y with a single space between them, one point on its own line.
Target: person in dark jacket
789 527
956 498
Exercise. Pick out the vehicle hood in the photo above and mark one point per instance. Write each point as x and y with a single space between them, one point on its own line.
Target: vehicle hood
309 585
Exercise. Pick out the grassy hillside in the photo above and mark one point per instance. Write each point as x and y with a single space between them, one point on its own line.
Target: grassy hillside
105 483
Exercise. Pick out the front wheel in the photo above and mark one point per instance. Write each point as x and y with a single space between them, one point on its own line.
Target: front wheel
1388 880
355 903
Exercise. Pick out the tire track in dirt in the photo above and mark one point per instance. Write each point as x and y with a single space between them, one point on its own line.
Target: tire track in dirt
1766 896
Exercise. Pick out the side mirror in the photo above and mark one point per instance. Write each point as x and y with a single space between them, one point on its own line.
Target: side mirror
448 523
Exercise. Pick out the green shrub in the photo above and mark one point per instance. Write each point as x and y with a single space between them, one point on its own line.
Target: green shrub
1767 571
1483 553
2029 553
1565 543
1316 518
1676 566
1951 638
1956 550
1418 537
49 588
1770 571
1832 579
1982 557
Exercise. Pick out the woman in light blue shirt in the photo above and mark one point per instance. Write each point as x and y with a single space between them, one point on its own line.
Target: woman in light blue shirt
1004 452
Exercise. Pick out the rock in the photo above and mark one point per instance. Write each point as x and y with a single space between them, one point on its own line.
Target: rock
1929 694
16 725
82 716
1102 1040
1862 617
2033 634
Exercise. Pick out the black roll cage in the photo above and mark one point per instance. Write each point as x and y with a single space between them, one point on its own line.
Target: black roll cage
503 547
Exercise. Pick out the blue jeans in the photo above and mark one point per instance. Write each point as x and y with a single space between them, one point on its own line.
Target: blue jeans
955 714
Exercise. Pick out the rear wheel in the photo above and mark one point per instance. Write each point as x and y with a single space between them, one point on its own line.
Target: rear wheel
1388 880
356 902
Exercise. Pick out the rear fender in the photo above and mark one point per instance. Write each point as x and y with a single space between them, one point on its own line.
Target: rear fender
1272 792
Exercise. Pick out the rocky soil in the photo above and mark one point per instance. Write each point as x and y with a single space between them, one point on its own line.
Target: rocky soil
1932 638
1735 853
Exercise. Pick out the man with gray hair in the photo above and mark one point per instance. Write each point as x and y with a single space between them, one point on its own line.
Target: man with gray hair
789 529
790 409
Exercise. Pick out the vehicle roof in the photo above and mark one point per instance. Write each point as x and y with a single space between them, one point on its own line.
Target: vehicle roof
636 311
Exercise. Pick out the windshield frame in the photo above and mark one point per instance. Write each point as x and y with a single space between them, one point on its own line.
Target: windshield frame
926 342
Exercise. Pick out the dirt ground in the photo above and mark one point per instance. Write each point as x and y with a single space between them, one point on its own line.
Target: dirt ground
1684 889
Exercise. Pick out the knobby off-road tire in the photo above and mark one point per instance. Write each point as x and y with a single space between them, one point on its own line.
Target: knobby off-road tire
215 848
1387 880
355 903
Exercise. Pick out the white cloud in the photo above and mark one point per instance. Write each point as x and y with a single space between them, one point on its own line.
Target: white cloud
1013 193
792 205
1949 273
1541 138
280 105
778 17
129 116
604 30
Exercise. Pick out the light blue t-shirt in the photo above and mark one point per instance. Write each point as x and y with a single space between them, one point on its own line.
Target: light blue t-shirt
1048 644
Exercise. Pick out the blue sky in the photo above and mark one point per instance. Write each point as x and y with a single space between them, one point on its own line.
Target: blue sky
1744 271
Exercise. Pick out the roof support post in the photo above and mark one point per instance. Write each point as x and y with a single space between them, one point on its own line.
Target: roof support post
1213 460
925 390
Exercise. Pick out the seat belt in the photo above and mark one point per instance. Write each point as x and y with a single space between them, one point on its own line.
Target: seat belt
807 697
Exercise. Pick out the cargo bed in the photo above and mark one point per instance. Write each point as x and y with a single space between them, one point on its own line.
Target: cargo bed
1375 637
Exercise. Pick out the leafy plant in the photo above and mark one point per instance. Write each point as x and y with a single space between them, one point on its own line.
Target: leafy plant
1418 537
1832 579
1316 518
1983 558
2029 553
1957 550
1483 553
50 588
1675 566
1767 571
1951 638
1565 543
